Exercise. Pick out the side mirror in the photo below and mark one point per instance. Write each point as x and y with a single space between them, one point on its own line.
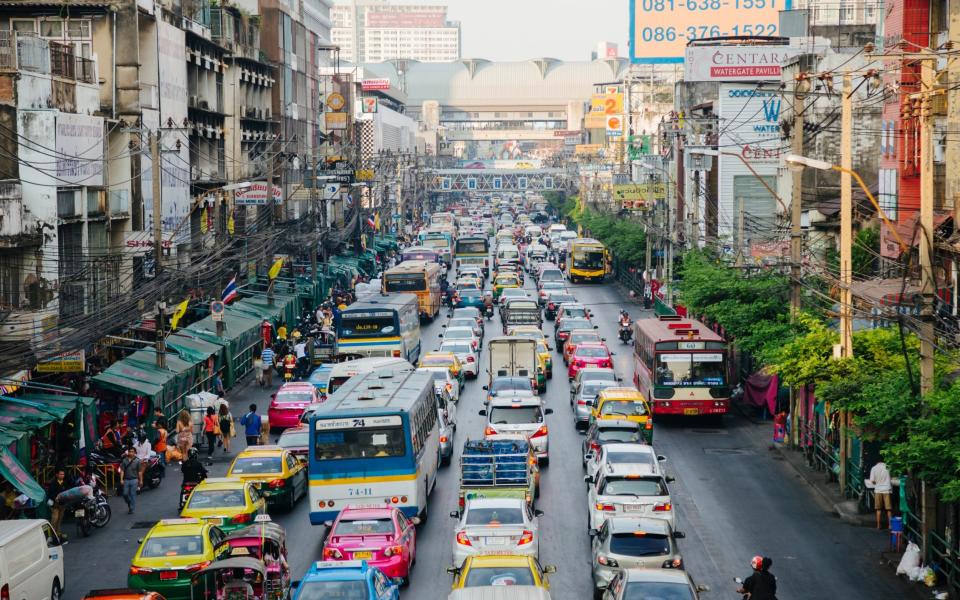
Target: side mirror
482 412
549 411
679 535
550 569
612 353
454 514
485 388
273 396
444 326
670 479
550 348
661 457
453 570
592 533
703 588
596 327
440 334
538 513
588 478
620 379
603 340
328 523
415 520
140 540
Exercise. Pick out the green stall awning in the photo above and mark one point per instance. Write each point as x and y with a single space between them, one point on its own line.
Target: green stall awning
19 477
193 348
241 336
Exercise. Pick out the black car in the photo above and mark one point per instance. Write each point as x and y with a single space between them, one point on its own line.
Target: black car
554 299
566 326
606 431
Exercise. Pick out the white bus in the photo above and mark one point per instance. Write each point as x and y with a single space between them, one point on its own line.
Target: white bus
381 325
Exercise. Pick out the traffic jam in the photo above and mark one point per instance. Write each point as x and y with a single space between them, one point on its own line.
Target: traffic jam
364 439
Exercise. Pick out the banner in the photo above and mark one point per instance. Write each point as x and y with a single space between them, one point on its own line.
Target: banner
79 144
656 191
68 362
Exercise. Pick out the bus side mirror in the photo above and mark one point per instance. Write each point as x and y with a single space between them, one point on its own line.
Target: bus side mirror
482 412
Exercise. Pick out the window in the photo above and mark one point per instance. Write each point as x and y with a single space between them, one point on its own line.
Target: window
846 11
51 28
24 25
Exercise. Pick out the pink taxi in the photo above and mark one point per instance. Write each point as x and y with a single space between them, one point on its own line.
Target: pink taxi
289 402
381 535
589 354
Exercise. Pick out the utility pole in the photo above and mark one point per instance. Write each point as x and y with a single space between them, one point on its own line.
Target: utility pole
315 236
846 251
796 246
400 207
158 244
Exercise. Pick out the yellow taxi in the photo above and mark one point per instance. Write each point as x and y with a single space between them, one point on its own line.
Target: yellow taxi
445 359
487 570
282 478
171 552
543 349
624 403
227 502
501 282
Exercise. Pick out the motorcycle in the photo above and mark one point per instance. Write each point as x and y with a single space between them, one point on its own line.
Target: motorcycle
488 312
626 332
100 507
153 473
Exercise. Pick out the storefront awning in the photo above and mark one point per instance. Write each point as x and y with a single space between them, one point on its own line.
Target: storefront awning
19 477
192 348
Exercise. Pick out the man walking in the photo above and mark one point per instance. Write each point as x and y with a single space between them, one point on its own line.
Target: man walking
267 356
252 425
301 351
882 490
56 487
130 474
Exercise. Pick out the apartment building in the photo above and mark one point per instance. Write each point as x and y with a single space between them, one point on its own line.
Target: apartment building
375 30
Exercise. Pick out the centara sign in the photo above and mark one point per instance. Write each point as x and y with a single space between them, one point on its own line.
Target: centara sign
736 63
256 195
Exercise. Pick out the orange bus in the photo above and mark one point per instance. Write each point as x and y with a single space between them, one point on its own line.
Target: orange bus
418 277
681 366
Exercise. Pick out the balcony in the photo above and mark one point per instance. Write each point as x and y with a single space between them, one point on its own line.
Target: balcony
27 52
64 63
16 229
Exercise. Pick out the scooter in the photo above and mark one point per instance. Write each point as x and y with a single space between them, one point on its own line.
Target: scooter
488 312
625 334
185 488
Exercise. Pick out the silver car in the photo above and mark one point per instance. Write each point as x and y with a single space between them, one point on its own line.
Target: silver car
496 526
653 583
634 490
623 454
626 542
465 351
522 415
469 323
447 430
582 398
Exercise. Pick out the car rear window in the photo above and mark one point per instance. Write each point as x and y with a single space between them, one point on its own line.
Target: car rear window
618 435
636 544
364 527
203 499
520 415
180 545
591 352
490 576
505 515
645 590
342 590
623 408
616 486
296 439
632 458
257 464
300 397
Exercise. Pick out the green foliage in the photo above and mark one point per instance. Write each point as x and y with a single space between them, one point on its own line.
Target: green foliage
625 238
556 200
866 247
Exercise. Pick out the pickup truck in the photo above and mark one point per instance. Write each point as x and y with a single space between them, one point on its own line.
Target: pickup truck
520 311
498 467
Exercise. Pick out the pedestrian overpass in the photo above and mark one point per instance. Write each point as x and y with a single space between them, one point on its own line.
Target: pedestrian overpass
496 180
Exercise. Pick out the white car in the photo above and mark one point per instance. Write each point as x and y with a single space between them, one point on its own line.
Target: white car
461 334
523 415
623 454
442 379
467 322
468 355
633 490
496 526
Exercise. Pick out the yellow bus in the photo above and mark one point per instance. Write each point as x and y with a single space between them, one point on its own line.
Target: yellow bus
587 260
418 277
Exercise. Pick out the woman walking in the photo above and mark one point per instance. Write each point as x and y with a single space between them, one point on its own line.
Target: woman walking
184 433
226 426
211 429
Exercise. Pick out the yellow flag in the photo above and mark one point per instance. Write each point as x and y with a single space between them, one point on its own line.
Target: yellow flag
203 220
376 222
230 223
178 314
275 269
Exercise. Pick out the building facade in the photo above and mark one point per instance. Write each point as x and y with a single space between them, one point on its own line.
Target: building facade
374 31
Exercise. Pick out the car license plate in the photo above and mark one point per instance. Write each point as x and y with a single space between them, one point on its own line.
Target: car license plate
359 555
164 575
691 411
214 520
79 513
632 508
496 541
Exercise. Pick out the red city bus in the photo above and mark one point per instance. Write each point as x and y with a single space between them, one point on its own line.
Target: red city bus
681 366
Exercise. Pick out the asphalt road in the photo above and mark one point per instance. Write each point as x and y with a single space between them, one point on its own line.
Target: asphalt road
734 498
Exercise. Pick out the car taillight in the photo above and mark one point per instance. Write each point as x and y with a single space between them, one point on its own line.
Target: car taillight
241 518
277 483
607 561
198 567
471 359
393 551
594 446
526 538
474 344
540 432
332 554
581 402
648 425
462 538
489 431
443 439
662 507
551 306
134 570
605 507
675 563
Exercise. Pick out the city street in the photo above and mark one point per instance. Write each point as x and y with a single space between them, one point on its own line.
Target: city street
734 498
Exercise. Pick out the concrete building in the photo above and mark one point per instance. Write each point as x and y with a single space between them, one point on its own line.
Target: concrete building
375 30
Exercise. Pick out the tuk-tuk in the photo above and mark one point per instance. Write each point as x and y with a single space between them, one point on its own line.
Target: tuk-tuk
241 578
266 542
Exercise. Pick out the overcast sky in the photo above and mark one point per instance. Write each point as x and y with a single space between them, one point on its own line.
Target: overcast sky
523 29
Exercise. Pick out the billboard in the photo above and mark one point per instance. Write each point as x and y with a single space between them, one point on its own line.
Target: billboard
79 145
661 29
750 137
736 63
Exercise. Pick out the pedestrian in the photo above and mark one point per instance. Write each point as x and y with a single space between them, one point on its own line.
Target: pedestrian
282 331
57 486
879 480
252 424
110 440
267 356
130 474
160 444
258 367
211 429
218 388
227 429
301 351
184 432
143 449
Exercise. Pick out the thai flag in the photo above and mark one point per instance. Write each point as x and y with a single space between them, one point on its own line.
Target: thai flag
371 222
230 292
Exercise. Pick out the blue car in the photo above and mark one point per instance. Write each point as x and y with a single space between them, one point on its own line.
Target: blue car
468 298
345 579
320 377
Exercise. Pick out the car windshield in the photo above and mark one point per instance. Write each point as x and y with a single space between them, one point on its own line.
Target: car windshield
551 275
457 348
637 544
686 369
216 498
620 457
469 293
471 313
561 298
515 415
514 293
471 323
439 361
438 375
618 435
579 338
626 408
301 397
340 590
497 576
591 352
569 324
294 439
180 545
503 384
616 486
657 590
256 464
595 375
588 259
504 515
364 527
459 334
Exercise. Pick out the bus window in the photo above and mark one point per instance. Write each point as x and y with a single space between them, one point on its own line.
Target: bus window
698 369
374 442
406 283
367 325
588 259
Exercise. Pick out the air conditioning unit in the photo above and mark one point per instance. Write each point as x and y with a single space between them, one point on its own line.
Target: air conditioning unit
204 105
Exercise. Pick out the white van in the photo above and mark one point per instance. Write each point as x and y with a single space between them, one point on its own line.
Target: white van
31 560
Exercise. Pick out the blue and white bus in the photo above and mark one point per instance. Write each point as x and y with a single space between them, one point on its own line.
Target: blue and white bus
381 325
375 441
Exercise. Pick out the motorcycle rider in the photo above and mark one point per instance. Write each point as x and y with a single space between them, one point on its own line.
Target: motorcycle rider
289 364
488 304
193 471
761 585
624 319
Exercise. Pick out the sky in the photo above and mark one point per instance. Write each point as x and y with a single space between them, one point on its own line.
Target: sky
524 29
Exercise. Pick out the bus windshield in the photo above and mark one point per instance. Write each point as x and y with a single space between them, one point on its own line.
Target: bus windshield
427 255
686 369
588 259
414 282
472 246
436 243
372 324
339 443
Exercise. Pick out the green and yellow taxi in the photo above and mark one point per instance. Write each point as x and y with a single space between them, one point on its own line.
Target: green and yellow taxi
171 552
227 502
445 359
501 282
486 570
624 403
282 478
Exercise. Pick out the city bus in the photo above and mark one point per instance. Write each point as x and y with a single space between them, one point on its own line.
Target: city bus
587 260
681 366
420 253
440 241
376 441
442 218
418 277
378 325
340 373
473 251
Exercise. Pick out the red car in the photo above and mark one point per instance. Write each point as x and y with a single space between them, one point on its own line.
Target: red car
381 535
288 403
577 337
589 354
